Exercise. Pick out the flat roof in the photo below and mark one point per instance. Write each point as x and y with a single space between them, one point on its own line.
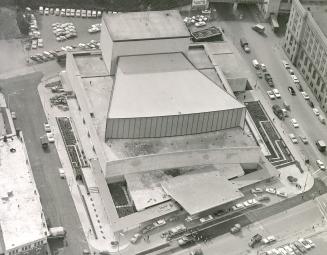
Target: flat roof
20 208
202 191
318 12
163 85
145 25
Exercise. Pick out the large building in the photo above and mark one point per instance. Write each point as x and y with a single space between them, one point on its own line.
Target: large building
156 111
305 43
23 228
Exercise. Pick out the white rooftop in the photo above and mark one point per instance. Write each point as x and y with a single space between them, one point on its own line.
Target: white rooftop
145 25
199 192
20 206
163 85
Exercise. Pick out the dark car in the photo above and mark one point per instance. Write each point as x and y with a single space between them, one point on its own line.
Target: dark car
219 212
291 90
311 104
254 240
299 87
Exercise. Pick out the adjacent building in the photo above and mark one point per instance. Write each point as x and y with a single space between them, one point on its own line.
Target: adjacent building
305 43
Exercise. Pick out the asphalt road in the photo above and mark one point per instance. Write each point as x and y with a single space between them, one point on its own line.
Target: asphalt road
55 196
267 49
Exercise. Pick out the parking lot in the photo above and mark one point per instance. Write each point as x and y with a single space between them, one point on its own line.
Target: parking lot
49 39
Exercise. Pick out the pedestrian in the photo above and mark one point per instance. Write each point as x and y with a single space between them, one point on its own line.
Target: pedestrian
319 191
302 197
90 82
279 175
273 119
244 96
313 227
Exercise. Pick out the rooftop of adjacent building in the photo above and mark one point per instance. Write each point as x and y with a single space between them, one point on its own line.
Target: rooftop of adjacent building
145 25
20 209
318 10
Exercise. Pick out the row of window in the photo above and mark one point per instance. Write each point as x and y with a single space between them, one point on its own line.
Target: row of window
27 247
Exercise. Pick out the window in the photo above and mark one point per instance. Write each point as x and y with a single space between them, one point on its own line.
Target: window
306 61
310 67
323 86
302 54
318 82
314 74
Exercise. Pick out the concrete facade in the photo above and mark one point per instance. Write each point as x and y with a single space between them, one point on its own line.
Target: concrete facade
305 43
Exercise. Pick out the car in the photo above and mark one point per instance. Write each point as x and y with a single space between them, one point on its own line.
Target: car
94 14
250 202
256 190
135 238
321 165
63 13
254 240
191 218
270 190
200 24
51 11
291 179
159 223
271 94
51 138
294 123
263 67
291 90
236 228
263 199
41 10
206 219
291 71
282 251
295 249
276 92
259 74
268 240
238 206
306 245
72 12
311 103
67 12
57 12
46 11
185 240
305 95
285 64
219 213
293 138
89 13
40 42
289 250
13 115
83 13
311 243
35 58
300 246
99 14
316 111
47 127
78 13
299 87
281 194
294 78
304 139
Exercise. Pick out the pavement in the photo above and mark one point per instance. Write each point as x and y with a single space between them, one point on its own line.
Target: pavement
22 97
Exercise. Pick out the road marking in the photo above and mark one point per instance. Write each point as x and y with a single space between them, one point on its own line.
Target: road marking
316 171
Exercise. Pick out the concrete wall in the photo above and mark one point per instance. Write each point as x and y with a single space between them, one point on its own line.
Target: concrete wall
181 159
112 50
175 125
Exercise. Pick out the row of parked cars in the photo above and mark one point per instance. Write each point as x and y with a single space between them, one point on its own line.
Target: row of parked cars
298 247
70 12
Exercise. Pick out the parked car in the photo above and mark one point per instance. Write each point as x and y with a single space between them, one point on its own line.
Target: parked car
271 190
294 78
254 240
41 10
206 219
263 67
271 94
293 138
185 240
94 14
281 194
135 238
294 123
47 127
316 111
83 14
236 228
256 64
237 207
305 95
245 45
304 139
46 11
57 12
276 93
305 243
321 165
322 119
268 240
259 28
263 199
285 64
78 13
300 246
256 190
200 24
291 90
89 13
291 71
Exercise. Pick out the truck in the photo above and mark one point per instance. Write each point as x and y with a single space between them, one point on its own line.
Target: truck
259 28
44 141
57 232
269 79
255 239
278 111
245 45
321 145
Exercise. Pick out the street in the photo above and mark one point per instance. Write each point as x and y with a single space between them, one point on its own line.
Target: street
268 50
21 95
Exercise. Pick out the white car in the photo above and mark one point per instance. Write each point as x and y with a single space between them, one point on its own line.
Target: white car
41 9
135 238
238 207
289 250
281 193
57 12
305 243
99 14
316 111
67 12
46 11
94 14
83 14
312 244
63 12
78 13
271 94
293 138
159 223
268 239
47 127
40 43
256 190
276 92
271 190
294 123
200 24
50 137
285 64
72 12
321 165
305 95
206 219
291 71
294 78
250 202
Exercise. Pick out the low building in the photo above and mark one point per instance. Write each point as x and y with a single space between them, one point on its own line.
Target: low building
305 43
